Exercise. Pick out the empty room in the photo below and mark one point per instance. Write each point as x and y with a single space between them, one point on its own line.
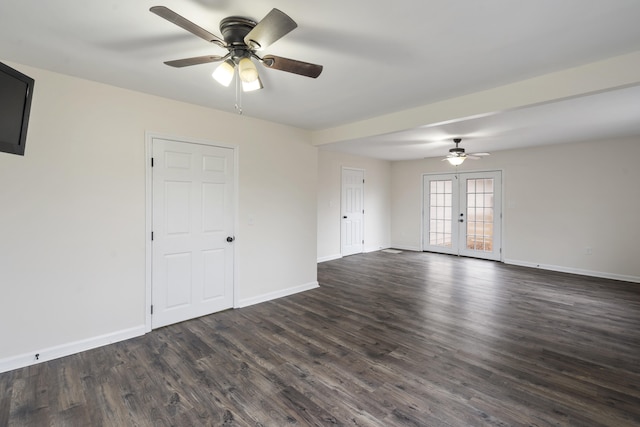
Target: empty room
248 213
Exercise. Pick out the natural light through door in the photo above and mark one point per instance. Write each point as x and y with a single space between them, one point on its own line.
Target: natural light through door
440 212
480 214
462 214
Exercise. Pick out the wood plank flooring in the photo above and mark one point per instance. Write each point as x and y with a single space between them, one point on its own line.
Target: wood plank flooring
409 339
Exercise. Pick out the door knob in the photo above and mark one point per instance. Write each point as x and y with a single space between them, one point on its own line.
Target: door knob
345 217
230 239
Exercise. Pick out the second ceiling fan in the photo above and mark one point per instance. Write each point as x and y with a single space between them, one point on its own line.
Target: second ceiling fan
457 155
242 37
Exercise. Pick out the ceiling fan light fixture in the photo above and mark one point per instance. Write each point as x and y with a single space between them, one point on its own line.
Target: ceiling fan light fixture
224 72
455 161
247 70
251 86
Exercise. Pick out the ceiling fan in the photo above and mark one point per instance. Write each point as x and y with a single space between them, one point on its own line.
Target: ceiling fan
457 155
242 37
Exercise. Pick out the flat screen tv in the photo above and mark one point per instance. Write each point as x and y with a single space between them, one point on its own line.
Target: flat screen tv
16 91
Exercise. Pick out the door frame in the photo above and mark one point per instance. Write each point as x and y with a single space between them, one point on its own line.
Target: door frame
457 174
342 170
149 137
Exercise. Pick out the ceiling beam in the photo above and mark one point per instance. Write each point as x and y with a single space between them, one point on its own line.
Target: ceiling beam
613 73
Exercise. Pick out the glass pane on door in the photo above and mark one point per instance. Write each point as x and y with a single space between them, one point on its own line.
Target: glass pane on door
440 213
480 199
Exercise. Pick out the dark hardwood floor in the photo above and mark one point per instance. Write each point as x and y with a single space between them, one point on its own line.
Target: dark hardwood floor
410 339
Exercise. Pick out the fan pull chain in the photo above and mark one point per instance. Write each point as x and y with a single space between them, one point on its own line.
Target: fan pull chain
238 105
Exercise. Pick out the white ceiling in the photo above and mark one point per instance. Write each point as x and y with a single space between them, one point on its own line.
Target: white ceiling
378 58
610 114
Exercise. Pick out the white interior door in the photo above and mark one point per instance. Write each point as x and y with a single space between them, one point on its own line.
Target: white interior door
193 217
462 214
352 211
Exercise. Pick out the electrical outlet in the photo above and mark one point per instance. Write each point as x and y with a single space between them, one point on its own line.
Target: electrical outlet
588 250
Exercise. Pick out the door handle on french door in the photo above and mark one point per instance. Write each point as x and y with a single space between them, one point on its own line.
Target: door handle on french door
345 217
231 239
461 220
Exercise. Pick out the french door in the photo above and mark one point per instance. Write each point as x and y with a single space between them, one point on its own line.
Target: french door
462 214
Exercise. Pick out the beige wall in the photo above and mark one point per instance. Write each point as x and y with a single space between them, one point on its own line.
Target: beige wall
72 217
377 198
558 201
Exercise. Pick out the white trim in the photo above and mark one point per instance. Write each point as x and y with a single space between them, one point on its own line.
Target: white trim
571 270
236 223
329 258
422 210
277 294
47 354
149 137
374 248
148 186
407 248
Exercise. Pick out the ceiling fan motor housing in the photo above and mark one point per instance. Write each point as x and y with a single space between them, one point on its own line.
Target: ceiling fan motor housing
234 29
457 151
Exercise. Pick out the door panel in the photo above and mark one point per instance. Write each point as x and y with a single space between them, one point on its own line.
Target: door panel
214 273
178 279
481 209
213 207
352 222
192 262
441 232
177 203
462 214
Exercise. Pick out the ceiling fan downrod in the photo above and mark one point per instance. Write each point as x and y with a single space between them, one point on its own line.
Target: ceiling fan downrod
457 151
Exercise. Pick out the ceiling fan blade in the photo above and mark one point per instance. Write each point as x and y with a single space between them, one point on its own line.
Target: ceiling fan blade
272 27
480 154
292 66
171 16
195 61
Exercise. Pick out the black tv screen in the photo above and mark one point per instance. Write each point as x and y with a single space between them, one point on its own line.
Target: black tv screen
16 90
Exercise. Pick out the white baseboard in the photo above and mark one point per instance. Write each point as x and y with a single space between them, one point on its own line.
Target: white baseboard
366 250
375 248
329 258
561 269
277 294
46 354
407 248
